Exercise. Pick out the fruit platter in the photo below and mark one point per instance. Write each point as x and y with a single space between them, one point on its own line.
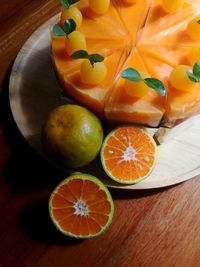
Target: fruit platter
112 89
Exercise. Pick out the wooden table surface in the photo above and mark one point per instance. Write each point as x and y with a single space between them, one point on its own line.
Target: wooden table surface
150 228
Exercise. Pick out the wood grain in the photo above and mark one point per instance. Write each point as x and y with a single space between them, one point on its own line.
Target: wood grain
150 228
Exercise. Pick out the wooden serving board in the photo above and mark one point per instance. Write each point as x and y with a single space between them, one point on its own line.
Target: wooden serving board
34 92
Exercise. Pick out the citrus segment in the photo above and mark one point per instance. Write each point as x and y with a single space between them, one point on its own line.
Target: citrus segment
89 211
128 154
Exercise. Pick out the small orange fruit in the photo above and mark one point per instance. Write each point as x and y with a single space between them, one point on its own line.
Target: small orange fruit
72 136
81 206
193 28
179 78
128 154
71 13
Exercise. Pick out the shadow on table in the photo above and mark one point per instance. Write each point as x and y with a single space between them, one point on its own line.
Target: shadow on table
36 222
26 169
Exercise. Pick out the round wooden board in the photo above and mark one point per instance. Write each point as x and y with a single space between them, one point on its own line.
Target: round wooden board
34 92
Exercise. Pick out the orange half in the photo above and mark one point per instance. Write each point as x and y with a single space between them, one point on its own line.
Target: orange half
129 154
81 206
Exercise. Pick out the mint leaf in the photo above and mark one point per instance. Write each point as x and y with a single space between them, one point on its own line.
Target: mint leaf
58 31
196 69
65 3
193 77
69 26
71 2
198 21
156 85
95 58
131 74
80 54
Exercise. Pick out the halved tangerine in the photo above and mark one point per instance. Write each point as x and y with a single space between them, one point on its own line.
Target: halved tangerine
128 154
81 206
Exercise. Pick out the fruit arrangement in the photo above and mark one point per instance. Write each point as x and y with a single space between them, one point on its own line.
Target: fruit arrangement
129 61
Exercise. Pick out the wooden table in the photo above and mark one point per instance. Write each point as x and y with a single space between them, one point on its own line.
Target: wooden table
150 228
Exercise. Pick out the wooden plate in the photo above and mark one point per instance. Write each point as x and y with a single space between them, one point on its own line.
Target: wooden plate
34 92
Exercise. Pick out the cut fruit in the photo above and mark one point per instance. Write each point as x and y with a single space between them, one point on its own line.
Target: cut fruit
128 154
81 206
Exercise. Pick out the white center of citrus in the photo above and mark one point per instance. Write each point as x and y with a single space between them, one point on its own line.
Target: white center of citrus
129 154
80 208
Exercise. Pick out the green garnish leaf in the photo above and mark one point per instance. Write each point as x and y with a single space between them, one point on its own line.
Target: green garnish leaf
131 74
198 21
71 2
69 26
156 85
196 69
65 3
93 58
193 77
80 54
58 31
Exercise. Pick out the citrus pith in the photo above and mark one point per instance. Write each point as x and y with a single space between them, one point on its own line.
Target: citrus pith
128 154
81 206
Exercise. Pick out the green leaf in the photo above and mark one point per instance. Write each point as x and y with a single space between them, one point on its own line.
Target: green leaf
196 69
156 85
95 58
65 3
131 74
84 54
69 26
193 77
80 54
198 21
71 2
58 31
